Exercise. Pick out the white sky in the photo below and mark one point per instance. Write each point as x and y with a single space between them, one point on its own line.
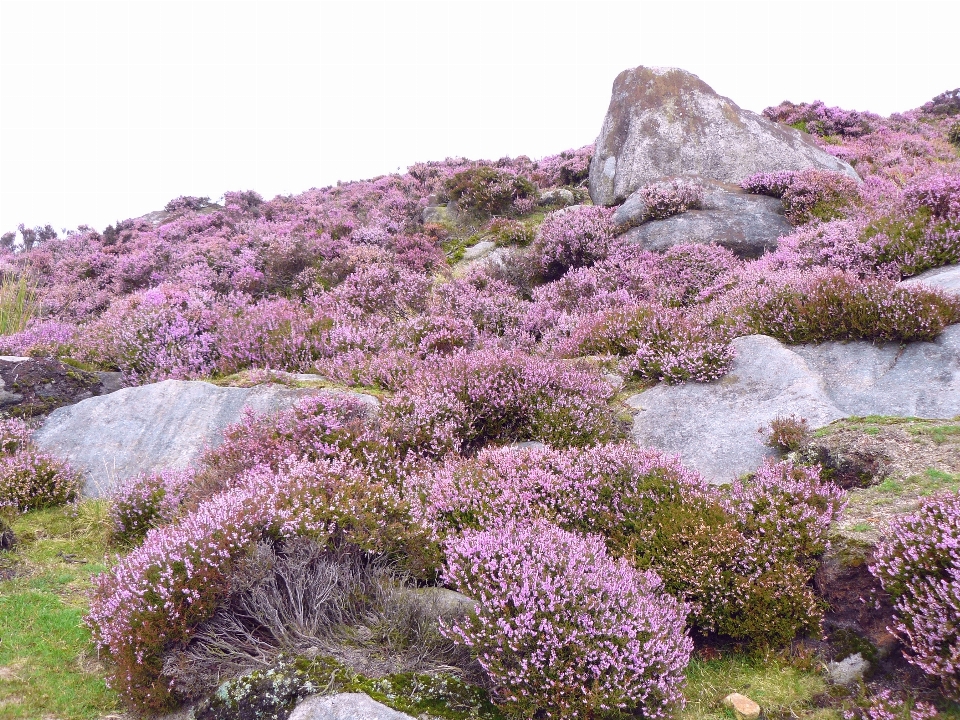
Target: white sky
109 109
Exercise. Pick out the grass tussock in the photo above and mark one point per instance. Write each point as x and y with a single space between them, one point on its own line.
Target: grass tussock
18 303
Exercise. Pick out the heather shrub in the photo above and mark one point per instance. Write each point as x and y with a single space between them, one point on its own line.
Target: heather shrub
659 344
885 704
562 629
156 596
917 562
953 134
839 306
573 237
489 190
691 274
512 232
788 433
146 501
299 598
29 478
806 194
467 400
671 197
818 119
710 550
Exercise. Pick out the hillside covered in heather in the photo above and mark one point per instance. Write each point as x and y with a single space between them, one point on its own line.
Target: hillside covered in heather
454 516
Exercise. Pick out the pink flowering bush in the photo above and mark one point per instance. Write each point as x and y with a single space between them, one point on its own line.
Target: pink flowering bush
146 501
807 194
743 562
885 704
671 197
490 191
564 630
659 344
839 306
29 478
573 237
918 563
464 402
155 597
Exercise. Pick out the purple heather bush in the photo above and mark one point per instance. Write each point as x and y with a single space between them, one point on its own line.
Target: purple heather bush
671 197
807 194
157 595
30 478
918 563
885 704
742 561
463 402
564 630
574 237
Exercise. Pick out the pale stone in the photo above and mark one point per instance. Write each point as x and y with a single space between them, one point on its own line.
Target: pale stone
743 707
666 121
482 248
144 429
345 706
943 278
848 671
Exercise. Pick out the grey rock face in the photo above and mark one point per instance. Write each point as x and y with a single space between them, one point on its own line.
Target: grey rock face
747 225
633 211
944 278
481 249
666 121
345 706
148 428
848 671
714 426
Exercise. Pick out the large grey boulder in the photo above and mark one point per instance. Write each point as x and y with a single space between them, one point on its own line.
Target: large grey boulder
152 427
714 426
666 121
747 225
943 278
345 706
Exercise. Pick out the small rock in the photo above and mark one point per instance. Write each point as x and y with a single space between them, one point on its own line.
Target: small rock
633 211
743 707
527 445
482 248
345 706
945 278
557 196
613 380
441 213
848 671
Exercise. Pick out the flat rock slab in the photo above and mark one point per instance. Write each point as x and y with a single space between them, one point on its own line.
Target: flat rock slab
714 426
666 121
345 706
944 278
152 427
34 387
747 225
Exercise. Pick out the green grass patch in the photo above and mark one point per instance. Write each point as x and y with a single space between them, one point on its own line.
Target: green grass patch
781 688
48 663
940 434
18 303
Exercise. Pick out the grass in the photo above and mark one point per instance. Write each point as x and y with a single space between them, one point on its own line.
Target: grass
48 665
781 688
18 303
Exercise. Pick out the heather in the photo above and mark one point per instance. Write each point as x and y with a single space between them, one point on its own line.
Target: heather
562 629
742 559
918 563
593 562
29 478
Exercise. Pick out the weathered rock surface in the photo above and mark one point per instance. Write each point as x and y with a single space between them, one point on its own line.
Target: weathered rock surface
33 387
714 426
448 213
345 706
666 121
743 707
945 278
481 249
747 225
147 428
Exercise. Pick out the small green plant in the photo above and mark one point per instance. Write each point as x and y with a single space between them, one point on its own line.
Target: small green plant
18 302
953 134
788 434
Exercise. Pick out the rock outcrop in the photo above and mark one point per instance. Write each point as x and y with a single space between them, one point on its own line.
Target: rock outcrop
943 278
666 121
747 225
345 706
151 427
714 426
34 387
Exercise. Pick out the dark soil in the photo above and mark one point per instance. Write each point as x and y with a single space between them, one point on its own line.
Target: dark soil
35 387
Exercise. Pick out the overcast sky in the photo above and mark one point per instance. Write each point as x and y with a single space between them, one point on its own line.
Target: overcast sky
110 109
